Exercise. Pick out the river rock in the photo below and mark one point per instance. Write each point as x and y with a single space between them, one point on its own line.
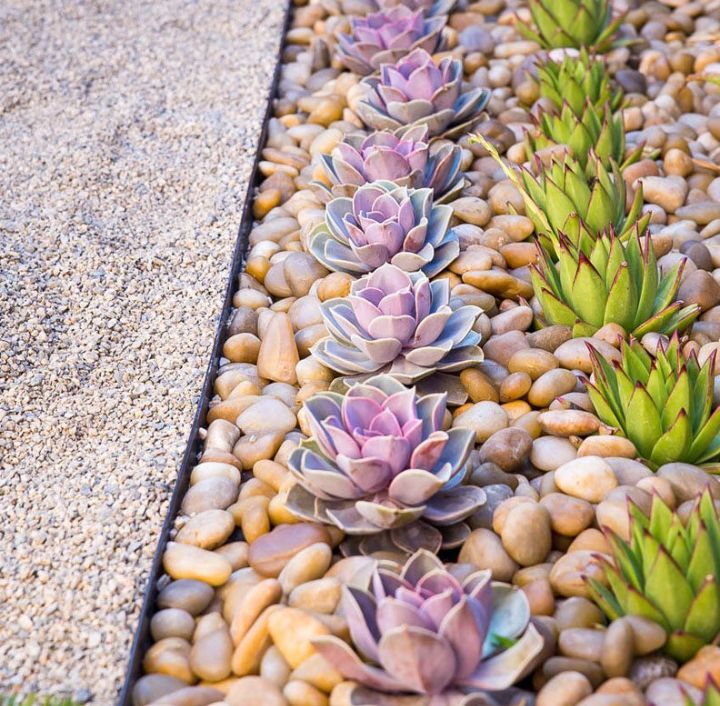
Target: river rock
210 494
507 448
292 631
551 452
270 553
564 689
484 549
184 561
207 530
484 418
190 595
689 481
526 534
265 415
589 478
252 691
568 515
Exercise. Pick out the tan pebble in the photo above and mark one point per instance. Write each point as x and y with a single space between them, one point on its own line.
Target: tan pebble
208 623
278 353
570 574
658 486
336 284
170 656
252 691
319 596
564 689
316 670
577 612
526 534
299 693
618 648
478 386
703 666
242 348
540 597
502 511
255 600
533 361
582 643
212 493
186 594
589 478
271 552
569 422
550 385
251 648
484 418
558 665
152 687
198 695
648 635
574 355
265 415
271 473
550 452
592 540
252 448
568 516
207 530
274 668
172 622
307 565
210 656
292 631
607 445
515 386
528 574
184 561
484 549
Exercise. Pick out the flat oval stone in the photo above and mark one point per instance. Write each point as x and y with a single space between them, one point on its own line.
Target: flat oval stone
292 631
183 561
211 654
212 493
186 594
551 452
267 414
272 551
574 355
589 478
252 691
172 622
207 530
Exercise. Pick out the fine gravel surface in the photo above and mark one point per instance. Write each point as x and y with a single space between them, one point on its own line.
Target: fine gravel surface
128 131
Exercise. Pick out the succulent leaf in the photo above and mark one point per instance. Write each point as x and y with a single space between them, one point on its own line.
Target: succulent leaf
667 572
668 411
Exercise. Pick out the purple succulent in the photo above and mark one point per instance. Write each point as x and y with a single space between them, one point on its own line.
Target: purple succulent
400 323
417 91
379 461
406 160
386 36
435 632
384 223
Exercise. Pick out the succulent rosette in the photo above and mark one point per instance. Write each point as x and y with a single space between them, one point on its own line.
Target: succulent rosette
400 323
386 36
448 635
417 91
571 23
408 161
378 460
383 223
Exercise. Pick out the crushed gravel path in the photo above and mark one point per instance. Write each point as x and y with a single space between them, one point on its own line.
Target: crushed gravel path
128 131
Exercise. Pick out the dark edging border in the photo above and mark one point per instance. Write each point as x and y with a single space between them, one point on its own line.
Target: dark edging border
142 639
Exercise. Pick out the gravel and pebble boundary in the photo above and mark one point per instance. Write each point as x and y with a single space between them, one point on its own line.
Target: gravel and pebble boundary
128 135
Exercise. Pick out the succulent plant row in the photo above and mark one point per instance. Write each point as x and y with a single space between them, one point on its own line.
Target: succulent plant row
610 282
669 572
571 23
662 403
424 629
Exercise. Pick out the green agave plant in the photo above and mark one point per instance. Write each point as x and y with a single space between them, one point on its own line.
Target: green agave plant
663 404
668 572
593 129
612 282
577 81
571 23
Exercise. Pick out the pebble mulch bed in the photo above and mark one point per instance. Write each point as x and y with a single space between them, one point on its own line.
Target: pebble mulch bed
409 493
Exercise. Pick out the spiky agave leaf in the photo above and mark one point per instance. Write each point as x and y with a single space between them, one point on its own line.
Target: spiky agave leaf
614 282
668 572
571 23
577 81
668 412
595 130
563 199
